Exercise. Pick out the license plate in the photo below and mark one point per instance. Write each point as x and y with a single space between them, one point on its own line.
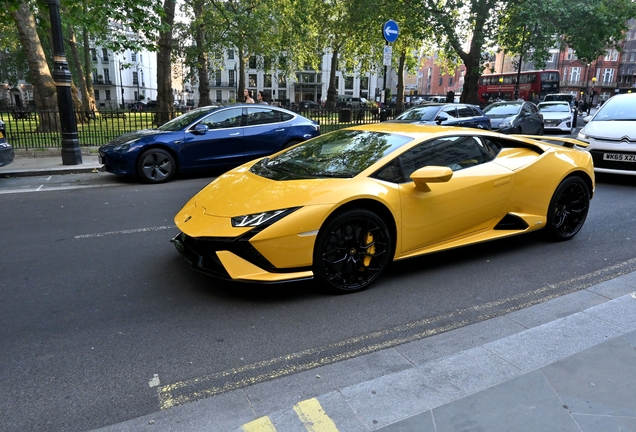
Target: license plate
620 157
1 135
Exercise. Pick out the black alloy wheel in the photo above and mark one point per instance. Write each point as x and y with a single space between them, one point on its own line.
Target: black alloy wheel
568 209
156 166
351 251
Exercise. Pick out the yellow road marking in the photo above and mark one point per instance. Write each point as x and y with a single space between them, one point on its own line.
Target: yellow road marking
314 417
262 424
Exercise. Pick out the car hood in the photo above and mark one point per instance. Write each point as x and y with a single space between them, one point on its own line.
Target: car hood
497 120
239 192
135 135
555 115
616 129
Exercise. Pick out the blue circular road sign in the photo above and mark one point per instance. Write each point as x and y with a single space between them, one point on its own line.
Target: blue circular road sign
390 31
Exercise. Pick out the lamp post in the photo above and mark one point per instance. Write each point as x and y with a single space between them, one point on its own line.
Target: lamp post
593 83
500 83
121 83
71 153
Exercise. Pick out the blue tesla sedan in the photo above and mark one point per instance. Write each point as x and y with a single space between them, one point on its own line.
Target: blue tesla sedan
211 137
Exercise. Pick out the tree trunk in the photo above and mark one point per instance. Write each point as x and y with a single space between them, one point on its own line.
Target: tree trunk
165 98
88 78
332 91
202 57
82 115
44 89
400 85
241 72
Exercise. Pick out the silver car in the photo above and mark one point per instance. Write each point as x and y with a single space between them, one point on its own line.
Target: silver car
611 135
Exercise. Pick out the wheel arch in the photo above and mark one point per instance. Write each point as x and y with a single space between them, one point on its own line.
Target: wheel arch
585 177
162 147
376 207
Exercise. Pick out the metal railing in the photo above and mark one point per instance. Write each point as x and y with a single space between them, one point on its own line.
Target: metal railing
41 129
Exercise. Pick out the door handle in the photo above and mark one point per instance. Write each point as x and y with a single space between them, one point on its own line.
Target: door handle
280 130
235 134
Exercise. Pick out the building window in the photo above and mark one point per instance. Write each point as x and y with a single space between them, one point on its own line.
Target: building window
282 81
135 78
133 56
96 94
231 74
219 96
252 80
364 83
252 62
348 82
570 55
93 54
450 81
107 94
230 54
267 80
575 74
608 76
282 95
267 63
106 76
104 54
217 77
440 81
136 95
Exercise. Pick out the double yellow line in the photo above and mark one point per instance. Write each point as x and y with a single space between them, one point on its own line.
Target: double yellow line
310 413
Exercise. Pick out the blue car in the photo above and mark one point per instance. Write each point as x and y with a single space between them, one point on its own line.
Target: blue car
446 114
211 137
6 151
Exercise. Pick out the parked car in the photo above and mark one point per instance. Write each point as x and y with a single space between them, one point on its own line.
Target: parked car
564 97
152 104
444 114
206 138
515 117
611 135
306 104
340 207
557 116
6 150
137 106
351 102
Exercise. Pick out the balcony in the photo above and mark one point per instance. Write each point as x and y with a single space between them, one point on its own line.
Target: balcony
215 83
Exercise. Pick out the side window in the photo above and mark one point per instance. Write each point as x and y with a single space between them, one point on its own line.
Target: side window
391 172
454 152
224 119
464 111
261 116
475 111
449 112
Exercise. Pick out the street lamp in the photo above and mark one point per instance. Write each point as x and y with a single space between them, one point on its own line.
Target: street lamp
593 82
121 83
500 83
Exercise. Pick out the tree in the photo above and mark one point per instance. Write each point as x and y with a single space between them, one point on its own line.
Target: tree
165 98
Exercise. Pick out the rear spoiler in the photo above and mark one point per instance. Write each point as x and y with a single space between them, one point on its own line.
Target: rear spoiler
565 142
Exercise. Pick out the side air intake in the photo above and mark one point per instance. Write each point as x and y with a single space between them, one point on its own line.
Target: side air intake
511 222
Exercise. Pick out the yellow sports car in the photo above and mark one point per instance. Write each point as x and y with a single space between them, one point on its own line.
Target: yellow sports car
340 207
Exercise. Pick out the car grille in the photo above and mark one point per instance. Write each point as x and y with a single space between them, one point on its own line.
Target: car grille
597 157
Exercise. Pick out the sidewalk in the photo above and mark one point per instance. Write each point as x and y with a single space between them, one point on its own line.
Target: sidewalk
47 162
568 364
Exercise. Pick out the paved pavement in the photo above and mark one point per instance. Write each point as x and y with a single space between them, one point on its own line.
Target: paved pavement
568 364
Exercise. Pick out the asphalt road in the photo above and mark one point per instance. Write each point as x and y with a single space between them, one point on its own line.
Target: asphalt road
102 321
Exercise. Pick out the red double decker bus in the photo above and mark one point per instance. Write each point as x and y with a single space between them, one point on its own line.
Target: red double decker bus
533 85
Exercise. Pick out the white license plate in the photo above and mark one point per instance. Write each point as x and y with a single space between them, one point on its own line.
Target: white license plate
620 157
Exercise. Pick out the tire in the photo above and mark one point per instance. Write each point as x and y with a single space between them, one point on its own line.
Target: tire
541 130
352 250
568 209
156 166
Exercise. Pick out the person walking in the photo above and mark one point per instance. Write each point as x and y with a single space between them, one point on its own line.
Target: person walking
248 96
261 98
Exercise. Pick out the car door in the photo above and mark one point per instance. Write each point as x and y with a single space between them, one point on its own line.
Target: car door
266 131
473 199
221 145
450 112
466 117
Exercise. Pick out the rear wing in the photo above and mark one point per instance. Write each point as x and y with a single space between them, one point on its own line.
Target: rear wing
565 142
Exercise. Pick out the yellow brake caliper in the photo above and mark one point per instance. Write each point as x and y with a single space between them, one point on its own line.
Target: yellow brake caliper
370 250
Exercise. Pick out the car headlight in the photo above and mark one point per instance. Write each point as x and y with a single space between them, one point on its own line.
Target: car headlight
505 124
125 146
583 136
258 219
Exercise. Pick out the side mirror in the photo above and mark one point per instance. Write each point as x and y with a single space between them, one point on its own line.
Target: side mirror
440 119
200 129
430 174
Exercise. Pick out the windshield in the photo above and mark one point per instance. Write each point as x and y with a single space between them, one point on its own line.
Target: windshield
343 153
181 122
507 109
424 113
617 108
549 107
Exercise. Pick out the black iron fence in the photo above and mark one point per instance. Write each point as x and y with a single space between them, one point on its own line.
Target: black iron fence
33 130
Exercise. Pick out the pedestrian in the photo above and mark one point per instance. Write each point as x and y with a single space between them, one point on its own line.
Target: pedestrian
261 98
586 107
248 96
